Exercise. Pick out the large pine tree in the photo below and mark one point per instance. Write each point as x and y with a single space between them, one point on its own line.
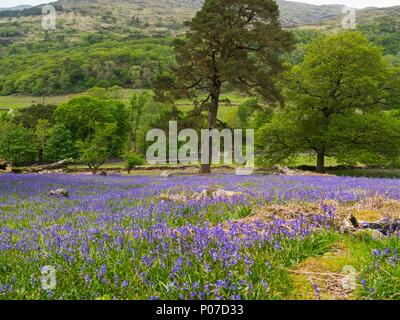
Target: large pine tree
235 44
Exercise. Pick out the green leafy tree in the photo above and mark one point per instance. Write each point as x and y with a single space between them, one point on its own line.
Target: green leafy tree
96 149
83 115
30 116
101 93
59 145
246 110
371 138
16 143
335 96
42 133
136 110
230 44
80 115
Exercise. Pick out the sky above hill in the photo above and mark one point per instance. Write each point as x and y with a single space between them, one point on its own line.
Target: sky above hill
13 3
350 3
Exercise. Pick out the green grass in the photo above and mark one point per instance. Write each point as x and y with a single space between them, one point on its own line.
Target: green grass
348 253
20 101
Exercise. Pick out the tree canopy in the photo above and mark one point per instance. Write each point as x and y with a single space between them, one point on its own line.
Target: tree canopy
336 100
82 116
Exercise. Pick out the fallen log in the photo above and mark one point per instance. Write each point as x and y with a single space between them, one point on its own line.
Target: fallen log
54 166
4 164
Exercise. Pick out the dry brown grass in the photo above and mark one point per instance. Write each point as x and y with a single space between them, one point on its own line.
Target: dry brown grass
370 209
375 208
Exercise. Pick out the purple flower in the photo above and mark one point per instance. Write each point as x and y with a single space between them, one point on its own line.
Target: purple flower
317 291
364 283
102 271
377 253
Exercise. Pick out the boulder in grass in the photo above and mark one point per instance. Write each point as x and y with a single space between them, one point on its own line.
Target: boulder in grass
165 174
283 171
212 194
217 194
174 197
59 193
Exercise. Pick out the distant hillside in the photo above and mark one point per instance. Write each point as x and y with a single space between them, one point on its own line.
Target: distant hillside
380 25
297 13
17 8
365 17
167 12
171 13
292 13
126 43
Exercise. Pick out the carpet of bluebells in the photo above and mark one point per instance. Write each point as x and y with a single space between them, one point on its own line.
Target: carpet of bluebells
382 278
113 238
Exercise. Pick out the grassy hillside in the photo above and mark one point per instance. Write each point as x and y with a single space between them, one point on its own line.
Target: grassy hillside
380 25
365 17
149 17
101 44
297 13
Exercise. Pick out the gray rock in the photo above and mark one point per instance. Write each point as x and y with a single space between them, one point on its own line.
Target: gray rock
282 170
59 193
165 174
373 234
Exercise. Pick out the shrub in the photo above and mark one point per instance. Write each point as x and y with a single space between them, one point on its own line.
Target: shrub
133 159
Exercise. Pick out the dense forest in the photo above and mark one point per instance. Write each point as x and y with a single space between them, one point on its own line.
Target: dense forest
51 68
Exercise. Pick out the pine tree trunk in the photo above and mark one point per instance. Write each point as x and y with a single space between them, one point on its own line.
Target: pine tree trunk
321 161
212 124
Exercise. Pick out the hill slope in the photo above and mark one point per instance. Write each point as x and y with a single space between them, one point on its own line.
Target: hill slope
17 8
365 17
99 43
162 11
297 13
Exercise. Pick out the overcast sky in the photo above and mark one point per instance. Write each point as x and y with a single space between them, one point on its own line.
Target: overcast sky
350 3
13 3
